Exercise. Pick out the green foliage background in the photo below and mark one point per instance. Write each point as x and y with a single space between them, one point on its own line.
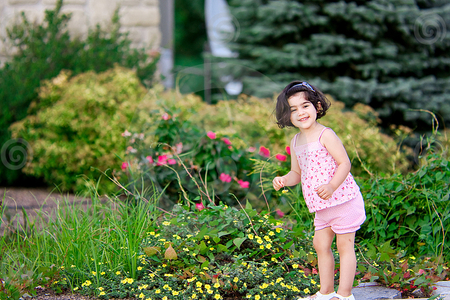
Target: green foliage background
78 126
43 50
391 55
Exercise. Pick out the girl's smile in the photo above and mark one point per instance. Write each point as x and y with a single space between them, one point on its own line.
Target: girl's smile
303 112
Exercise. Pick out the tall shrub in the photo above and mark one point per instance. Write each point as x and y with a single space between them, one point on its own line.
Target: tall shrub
78 127
392 55
42 51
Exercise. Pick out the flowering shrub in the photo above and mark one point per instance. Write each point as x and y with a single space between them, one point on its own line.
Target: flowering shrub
187 162
214 253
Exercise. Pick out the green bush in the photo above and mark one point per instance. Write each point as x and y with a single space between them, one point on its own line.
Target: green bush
412 210
77 126
43 50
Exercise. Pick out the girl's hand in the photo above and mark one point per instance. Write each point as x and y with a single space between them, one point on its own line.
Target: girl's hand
324 191
278 183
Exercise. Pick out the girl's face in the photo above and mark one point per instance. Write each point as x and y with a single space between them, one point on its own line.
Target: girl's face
303 112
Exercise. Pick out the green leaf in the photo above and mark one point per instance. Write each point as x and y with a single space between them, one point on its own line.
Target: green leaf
288 245
248 205
238 241
222 248
149 251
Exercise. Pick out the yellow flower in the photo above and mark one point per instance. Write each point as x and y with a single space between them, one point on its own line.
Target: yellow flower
273 259
175 293
236 279
267 238
86 283
250 236
152 233
100 289
216 296
206 237
118 273
268 246
194 296
278 229
313 281
295 266
207 286
102 293
139 268
165 223
141 296
306 291
271 233
259 241
257 297
198 284
76 288
158 291
217 285
261 247
102 273
165 298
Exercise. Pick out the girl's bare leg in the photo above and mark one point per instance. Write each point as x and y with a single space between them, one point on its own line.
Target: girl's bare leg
346 247
322 243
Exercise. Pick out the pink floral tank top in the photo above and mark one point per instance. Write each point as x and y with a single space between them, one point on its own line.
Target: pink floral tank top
318 167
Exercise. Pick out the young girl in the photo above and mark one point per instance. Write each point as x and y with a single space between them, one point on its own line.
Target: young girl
319 161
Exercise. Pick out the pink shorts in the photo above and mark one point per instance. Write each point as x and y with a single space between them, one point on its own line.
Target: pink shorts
343 218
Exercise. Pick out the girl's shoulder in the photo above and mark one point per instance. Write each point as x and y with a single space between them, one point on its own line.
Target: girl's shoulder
329 137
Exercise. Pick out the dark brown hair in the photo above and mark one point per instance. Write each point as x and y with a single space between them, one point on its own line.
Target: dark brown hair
312 94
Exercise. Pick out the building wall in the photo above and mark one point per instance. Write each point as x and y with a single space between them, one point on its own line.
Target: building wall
140 18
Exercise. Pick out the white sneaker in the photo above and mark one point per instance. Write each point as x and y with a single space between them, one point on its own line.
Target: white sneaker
319 296
351 297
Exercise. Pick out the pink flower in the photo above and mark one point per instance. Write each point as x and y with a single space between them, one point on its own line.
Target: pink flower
172 161
244 184
131 149
124 165
165 116
226 141
126 133
229 147
281 157
211 135
263 151
150 159
162 160
251 149
199 206
421 271
279 212
225 177
179 147
288 150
